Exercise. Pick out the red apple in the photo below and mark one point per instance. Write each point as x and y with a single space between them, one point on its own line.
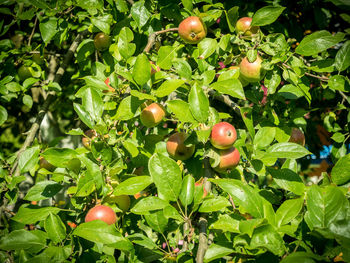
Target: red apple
229 159
192 30
101 212
297 136
177 148
223 135
152 115
251 72
243 26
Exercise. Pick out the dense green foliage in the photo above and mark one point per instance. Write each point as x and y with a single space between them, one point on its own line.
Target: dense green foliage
267 209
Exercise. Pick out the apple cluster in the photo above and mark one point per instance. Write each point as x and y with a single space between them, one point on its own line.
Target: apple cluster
223 136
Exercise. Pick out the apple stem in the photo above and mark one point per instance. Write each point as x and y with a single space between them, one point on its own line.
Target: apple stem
152 38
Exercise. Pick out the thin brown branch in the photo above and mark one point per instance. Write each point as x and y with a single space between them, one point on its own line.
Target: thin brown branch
48 101
152 38
203 222
344 96
322 78
33 31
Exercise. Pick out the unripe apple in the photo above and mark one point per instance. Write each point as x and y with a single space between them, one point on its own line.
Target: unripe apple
251 72
24 73
101 41
122 201
243 26
297 136
176 147
223 135
192 30
91 134
229 159
101 212
110 89
45 164
152 115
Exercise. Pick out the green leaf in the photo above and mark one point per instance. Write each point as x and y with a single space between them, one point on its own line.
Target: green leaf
182 68
157 221
83 115
342 59
22 239
216 203
3 115
267 237
232 17
59 157
142 69
92 103
338 82
43 190
166 55
217 251
28 101
318 42
140 13
48 29
32 214
341 170
127 108
98 231
232 87
181 109
187 190
55 228
288 210
166 175
93 172
207 47
171 212
226 223
168 87
142 96
187 4
199 104
288 180
28 159
126 48
272 81
103 23
244 195
302 257
148 204
266 15
142 240
324 206
264 137
287 150
133 185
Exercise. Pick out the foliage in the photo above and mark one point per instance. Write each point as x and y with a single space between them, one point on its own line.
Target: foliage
266 209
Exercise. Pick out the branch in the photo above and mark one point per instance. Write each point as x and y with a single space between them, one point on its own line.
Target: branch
322 78
48 101
33 31
203 222
152 38
226 99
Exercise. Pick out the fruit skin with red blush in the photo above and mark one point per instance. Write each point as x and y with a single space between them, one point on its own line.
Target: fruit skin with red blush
176 147
192 30
229 159
243 26
152 115
110 89
101 212
223 135
251 72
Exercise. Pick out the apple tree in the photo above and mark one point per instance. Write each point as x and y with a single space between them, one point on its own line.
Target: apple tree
174 131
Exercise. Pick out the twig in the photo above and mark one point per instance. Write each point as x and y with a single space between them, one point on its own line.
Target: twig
48 101
33 31
226 99
344 96
152 38
232 203
203 222
322 78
